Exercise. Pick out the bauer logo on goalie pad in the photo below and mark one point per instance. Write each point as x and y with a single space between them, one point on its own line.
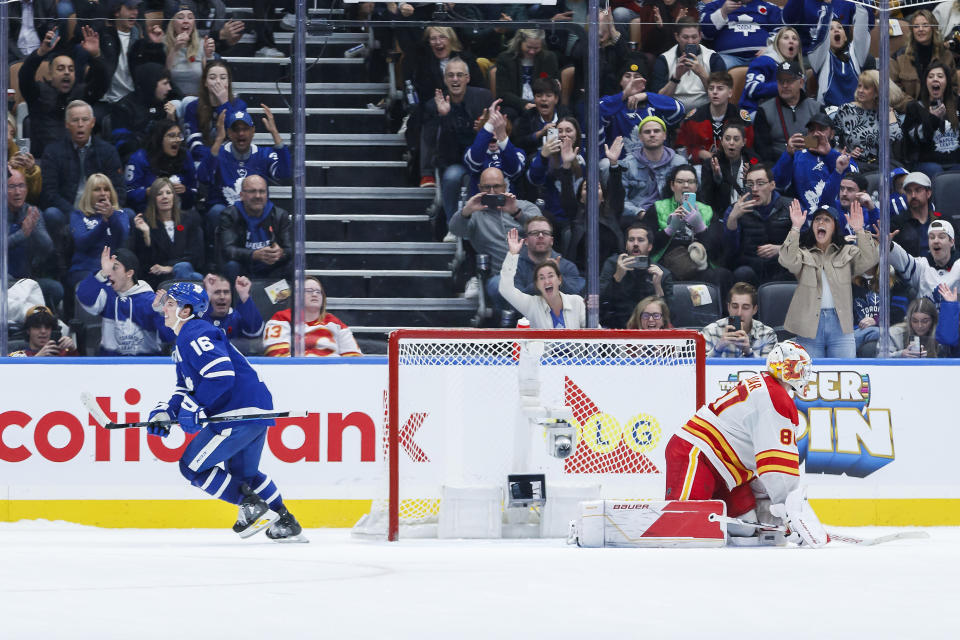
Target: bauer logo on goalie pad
668 523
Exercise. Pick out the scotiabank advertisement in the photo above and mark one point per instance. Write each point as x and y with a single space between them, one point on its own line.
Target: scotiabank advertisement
872 436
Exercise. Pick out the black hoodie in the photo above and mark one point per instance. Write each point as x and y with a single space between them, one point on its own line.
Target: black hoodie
131 117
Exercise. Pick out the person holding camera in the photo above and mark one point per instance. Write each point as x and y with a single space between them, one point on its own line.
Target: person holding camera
551 309
784 115
754 228
682 72
630 276
915 337
723 183
45 335
739 335
932 121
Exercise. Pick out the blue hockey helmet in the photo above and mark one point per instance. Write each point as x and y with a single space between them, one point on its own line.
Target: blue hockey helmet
188 293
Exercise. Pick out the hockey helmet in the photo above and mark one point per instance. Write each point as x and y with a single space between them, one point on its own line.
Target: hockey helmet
188 293
789 361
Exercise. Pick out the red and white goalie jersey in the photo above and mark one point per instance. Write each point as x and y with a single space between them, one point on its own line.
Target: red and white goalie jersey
750 432
325 336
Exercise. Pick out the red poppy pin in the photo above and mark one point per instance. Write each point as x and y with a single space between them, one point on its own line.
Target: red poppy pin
753 161
543 74
937 214
179 227
762 10
194 58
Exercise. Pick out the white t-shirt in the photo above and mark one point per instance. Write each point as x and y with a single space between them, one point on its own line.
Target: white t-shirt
122 83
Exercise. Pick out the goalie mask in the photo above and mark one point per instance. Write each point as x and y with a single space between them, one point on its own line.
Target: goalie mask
188 293
790 362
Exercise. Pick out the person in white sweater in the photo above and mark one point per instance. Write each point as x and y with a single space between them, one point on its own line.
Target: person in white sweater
549 310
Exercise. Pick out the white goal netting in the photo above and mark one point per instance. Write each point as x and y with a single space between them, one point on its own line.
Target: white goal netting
462 403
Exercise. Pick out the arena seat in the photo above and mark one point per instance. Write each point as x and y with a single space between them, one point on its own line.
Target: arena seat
683 311
773 299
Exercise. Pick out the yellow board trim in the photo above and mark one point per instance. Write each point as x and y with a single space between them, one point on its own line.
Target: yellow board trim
889 513
174 514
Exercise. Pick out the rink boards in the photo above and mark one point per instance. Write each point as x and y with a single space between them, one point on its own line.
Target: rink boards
878 439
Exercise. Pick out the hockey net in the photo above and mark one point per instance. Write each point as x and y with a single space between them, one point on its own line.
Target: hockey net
456 413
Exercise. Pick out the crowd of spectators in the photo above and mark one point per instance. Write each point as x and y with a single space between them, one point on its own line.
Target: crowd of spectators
735 151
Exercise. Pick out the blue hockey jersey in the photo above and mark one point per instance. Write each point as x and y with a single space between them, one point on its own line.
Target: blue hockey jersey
193 134
814 177
744 31
244 320
216 376
139 176
478 158
224 172
617 120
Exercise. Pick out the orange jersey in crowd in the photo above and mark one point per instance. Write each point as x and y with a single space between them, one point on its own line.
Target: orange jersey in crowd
749 432
326 336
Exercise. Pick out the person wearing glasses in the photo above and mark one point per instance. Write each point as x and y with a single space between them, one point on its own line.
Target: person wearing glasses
650 314
256 236
165 156
550 308
754 227
538 242
324 333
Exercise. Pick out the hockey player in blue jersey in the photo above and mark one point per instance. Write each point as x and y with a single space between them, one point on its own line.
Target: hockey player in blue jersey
214 379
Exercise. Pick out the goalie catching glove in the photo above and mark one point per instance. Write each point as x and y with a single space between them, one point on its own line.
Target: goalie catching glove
804 525
160 413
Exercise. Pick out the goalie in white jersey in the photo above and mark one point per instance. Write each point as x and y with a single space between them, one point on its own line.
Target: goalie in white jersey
741 448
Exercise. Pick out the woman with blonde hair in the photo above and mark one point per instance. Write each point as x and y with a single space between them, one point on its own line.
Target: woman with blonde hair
924 47
783 46
915 336
168 242
97 222
186 54
526 59
650 314
858 125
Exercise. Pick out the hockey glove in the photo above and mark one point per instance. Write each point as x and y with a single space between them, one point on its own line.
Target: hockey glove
192 417
160 413
804 525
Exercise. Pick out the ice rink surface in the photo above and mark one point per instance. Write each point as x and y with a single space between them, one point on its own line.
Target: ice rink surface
60 580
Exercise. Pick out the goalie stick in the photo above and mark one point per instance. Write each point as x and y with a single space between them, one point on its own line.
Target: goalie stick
91 404
834 536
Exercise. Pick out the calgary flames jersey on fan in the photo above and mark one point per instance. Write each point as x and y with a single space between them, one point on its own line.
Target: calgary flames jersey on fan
749 432
326 336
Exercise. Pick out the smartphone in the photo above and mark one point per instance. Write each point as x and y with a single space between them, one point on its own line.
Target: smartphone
56 333
734 321
639 262
493 200
692 50
811 141
552 134
56 37
690 201
915 344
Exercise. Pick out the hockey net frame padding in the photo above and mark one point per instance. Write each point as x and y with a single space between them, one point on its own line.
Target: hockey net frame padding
421 360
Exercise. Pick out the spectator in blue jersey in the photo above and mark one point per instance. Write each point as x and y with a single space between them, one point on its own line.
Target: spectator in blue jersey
492 148
898 199
69 162
532 125
153 100
242 321
853 188
813 15
165 156
813 174
168 242
97 222
932 123
839 58
225 165
754 227
739 30
761 79
683 72
200 113
256 236
866 305
857 122
559 159
130 325
622 112
913 223
784 115
525 59
645 171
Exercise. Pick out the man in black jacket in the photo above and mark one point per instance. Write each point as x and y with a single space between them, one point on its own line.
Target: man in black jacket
624 282
256 237
48 100
67 163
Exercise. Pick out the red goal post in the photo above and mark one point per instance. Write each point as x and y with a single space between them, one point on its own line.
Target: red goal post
478 364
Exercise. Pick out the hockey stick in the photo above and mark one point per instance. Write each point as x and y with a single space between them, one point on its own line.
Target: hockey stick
91 404
834 536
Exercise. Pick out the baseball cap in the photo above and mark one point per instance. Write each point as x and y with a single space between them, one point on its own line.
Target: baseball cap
173 7
898 171
941 225
789 68
651 119
827 209
39 316
234 117
129 261
820 118
917 177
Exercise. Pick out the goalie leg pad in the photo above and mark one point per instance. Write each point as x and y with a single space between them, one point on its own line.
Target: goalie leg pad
669 523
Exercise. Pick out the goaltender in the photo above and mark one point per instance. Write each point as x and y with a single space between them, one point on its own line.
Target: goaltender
741 448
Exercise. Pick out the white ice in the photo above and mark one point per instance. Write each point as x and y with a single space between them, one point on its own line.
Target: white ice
60 580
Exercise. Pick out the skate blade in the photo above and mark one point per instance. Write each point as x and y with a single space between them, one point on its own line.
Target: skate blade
297 538
260 524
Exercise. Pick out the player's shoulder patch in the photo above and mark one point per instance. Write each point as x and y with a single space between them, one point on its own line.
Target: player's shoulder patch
745 115
781 399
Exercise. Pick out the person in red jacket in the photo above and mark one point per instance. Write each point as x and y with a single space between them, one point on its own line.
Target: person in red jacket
700 132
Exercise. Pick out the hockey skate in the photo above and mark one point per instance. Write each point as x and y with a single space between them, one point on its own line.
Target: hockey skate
254 514
286 528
